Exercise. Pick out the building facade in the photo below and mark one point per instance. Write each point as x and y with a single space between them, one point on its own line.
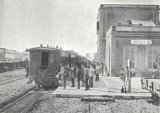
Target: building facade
140 44
90 56
2 54
114 14
12 55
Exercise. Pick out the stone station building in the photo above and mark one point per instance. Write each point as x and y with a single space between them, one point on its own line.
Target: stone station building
140 44
128 32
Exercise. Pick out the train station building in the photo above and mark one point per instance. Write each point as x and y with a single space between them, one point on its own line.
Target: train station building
128 32
140 44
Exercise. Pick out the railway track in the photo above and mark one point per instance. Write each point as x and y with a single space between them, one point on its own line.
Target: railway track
9 80
11 76
24 103
154 89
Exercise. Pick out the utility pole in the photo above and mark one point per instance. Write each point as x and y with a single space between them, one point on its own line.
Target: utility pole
129 76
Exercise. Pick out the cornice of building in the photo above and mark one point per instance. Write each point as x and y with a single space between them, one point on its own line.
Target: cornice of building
136 34
134 31
134 28
128 6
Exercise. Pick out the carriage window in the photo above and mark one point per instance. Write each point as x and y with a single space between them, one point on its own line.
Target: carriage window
44 61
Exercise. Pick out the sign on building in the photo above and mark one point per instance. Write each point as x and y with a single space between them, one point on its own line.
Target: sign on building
141 42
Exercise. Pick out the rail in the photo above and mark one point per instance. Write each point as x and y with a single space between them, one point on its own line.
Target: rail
152 85
18 99
11 80
96 99
29 107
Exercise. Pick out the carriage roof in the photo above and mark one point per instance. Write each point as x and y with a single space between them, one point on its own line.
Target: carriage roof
64 53
41 49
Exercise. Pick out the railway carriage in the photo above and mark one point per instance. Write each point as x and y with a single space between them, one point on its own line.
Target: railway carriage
44 62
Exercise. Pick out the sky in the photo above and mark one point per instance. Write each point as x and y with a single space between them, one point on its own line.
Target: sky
71 24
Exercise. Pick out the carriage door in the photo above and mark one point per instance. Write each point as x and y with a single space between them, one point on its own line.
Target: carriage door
44 64
44 60
52 63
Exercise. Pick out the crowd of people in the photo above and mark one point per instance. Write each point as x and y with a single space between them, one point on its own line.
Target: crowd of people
80 73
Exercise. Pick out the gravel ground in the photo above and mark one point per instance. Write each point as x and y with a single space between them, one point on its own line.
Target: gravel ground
10 90
75 105
12 74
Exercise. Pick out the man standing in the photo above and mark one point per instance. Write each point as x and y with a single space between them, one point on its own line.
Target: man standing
122 76
64 74
87 77
102 68
83 75
72 74
79 75
68 69
127 79
97 72
91 75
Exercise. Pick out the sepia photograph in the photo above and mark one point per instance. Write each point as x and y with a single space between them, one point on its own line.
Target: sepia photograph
79 56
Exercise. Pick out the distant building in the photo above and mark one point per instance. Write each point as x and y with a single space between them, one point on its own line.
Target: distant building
2 54
12 55
116 14
90 56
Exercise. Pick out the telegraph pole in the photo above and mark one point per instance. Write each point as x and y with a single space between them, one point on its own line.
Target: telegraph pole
129 76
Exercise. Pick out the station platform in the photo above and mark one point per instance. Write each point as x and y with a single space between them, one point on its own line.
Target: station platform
106 87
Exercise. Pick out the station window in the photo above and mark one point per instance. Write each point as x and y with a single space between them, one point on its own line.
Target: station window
130 53
44 60
152 53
